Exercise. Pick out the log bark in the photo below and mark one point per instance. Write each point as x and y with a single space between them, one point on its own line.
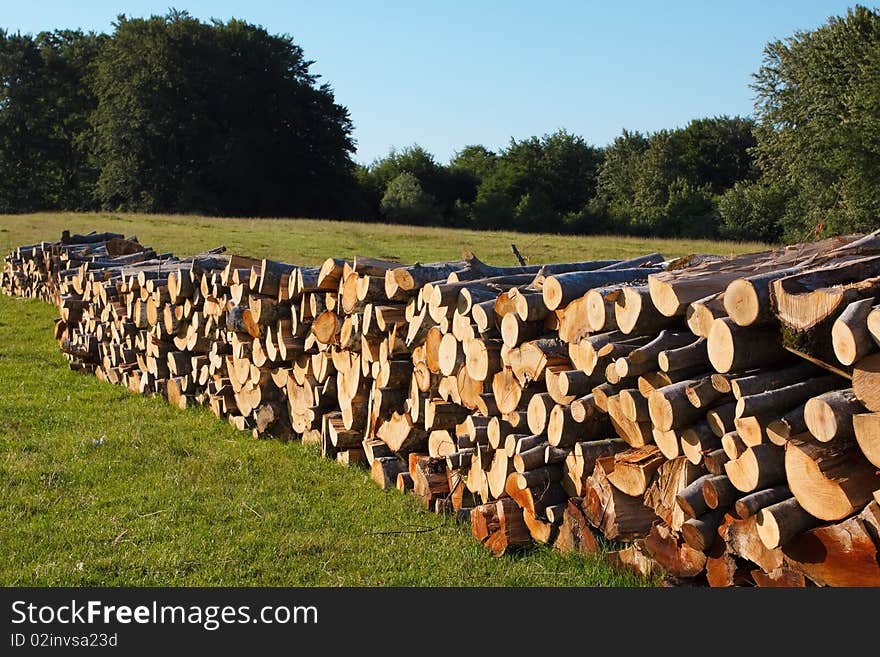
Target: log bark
693 354
691 500
700 533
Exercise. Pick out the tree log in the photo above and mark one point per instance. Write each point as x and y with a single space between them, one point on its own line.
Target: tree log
830 416
733 348
750 504
866 382
697 441
830 480
867 432
805 299
780 522
561 289
719 492
636 315
700 533
757 467
783 399
850 336
702 313
634 469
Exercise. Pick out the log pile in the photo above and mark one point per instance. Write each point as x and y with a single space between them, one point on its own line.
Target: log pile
718 419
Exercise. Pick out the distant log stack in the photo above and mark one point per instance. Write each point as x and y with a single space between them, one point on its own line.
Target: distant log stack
719 415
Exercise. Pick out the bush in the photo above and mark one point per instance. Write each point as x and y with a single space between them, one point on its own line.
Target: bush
752 211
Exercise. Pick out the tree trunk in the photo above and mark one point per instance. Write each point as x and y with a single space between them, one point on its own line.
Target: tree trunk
850 336
830 415
780 522
830 480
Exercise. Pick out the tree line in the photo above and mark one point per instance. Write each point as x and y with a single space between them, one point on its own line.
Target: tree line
172 114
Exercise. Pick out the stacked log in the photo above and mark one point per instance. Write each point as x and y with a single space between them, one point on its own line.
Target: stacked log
670 406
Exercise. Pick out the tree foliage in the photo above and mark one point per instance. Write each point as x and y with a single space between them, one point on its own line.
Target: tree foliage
46 103
222 118
405 202
818 112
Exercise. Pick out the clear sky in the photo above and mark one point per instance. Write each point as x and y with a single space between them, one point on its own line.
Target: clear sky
448 74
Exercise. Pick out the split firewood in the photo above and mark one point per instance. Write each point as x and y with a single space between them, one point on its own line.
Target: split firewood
671 479
635 469
616 514
676 557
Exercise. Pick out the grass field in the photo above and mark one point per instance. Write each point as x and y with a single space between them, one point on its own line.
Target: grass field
103 487
309 241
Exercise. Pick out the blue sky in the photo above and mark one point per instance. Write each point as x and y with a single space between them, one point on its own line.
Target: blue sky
445 75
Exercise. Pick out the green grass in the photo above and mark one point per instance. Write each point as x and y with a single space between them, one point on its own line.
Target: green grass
101 487
309 241
179 498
